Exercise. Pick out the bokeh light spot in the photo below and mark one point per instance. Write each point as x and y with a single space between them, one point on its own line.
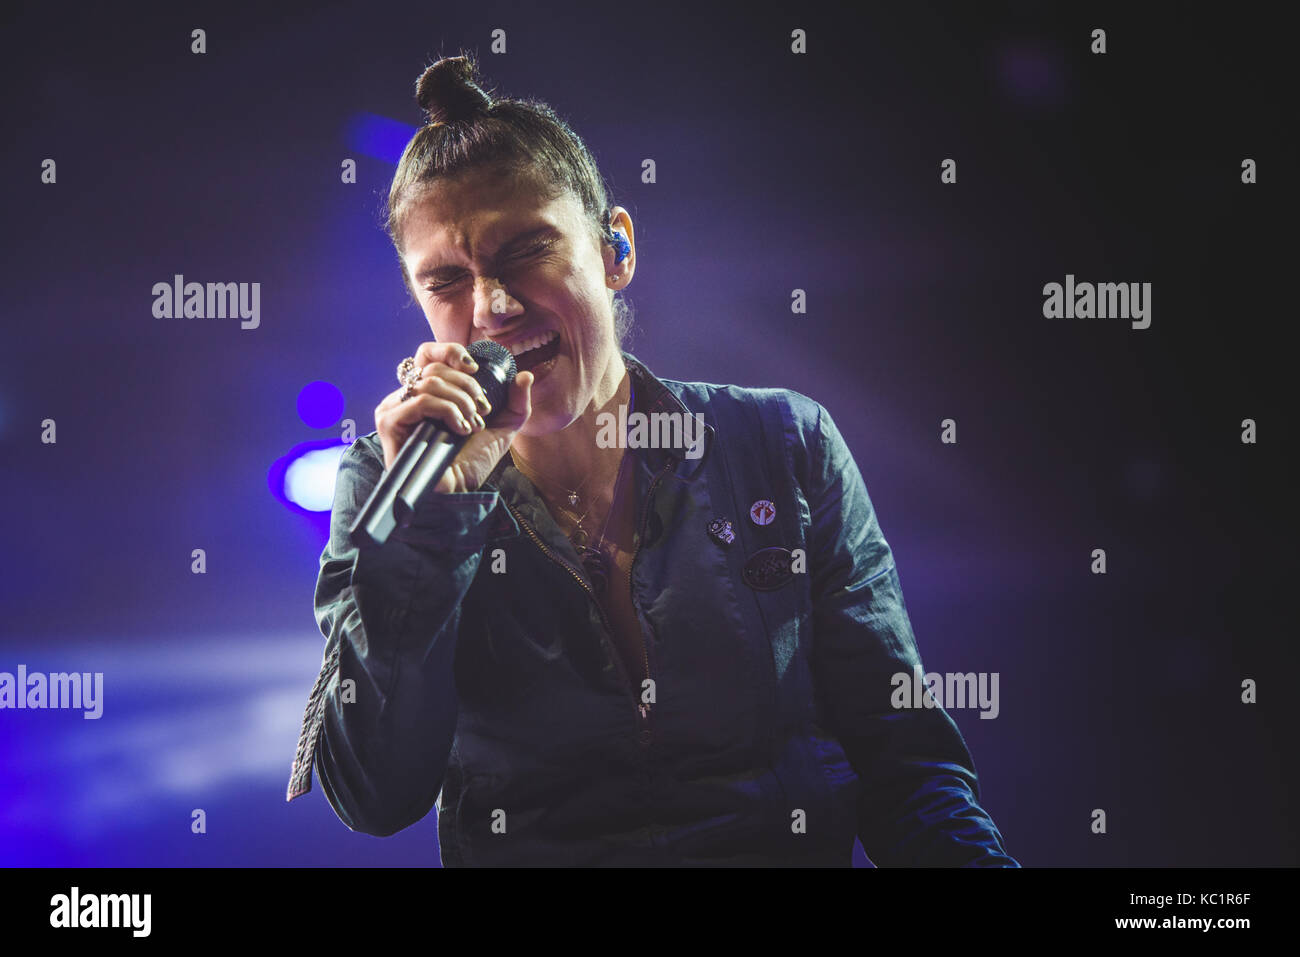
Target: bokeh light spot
320 404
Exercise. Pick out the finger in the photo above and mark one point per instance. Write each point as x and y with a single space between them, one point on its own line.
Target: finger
440 387
461 380
511 415
392 400
423 406
453 354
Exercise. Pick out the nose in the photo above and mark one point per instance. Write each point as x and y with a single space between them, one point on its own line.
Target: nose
494 307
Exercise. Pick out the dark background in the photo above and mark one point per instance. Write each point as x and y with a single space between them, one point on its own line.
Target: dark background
775 171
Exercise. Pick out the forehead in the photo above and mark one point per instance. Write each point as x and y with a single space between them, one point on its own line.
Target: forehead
483 209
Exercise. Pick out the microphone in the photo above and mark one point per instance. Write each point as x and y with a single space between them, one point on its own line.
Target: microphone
427 453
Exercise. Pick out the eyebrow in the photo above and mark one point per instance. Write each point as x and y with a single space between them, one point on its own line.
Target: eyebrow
510 245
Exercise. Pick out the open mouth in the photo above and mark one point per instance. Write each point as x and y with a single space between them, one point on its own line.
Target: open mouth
533 352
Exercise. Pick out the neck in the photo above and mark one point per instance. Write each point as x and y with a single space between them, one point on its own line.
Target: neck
571 457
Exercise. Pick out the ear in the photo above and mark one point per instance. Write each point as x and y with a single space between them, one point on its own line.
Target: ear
618 272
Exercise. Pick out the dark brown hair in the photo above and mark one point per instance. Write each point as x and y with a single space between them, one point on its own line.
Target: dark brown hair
467 130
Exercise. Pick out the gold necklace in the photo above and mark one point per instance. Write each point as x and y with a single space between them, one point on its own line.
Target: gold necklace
578 535
597 561
571 493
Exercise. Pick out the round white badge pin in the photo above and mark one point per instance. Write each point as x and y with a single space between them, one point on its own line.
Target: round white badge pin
762 512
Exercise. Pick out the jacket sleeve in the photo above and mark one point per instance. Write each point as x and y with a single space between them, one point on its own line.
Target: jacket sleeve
919 794
381 718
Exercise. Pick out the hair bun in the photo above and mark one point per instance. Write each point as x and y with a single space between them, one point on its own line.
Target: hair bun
448 90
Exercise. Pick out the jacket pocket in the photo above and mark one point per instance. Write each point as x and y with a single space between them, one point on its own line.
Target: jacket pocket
819 792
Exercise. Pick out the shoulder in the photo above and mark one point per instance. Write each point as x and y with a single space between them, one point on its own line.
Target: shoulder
365 451
760 417
801 416
360 466
706 394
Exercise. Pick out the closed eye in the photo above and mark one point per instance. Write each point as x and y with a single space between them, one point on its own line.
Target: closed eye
533 250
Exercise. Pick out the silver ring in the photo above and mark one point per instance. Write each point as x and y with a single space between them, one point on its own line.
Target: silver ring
409 376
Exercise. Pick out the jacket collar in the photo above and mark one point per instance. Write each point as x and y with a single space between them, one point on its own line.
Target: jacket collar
651 395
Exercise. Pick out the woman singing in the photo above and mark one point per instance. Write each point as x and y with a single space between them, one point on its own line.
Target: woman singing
667 642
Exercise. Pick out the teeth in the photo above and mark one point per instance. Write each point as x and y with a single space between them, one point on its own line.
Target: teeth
527 345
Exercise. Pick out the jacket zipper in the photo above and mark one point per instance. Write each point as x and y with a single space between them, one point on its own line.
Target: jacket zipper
563 564
642 708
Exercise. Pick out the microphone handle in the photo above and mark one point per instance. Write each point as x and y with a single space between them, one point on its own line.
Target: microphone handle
376 520
427 453
425 473
495 373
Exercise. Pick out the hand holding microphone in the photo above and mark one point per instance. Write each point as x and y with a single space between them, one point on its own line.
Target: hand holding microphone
446 433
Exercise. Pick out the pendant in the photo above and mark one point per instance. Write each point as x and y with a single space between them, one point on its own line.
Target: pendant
597 564
573 498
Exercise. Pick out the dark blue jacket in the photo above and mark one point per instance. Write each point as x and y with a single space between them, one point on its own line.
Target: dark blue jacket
467 663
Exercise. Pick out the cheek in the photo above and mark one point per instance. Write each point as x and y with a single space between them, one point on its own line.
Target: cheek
567 281
573 294
445 328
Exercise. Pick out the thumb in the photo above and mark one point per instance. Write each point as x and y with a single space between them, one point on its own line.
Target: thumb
483 450
519 403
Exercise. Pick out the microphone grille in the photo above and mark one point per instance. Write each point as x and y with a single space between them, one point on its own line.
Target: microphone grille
496 369
485 352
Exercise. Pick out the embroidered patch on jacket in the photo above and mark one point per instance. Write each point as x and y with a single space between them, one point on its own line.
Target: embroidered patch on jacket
768 568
